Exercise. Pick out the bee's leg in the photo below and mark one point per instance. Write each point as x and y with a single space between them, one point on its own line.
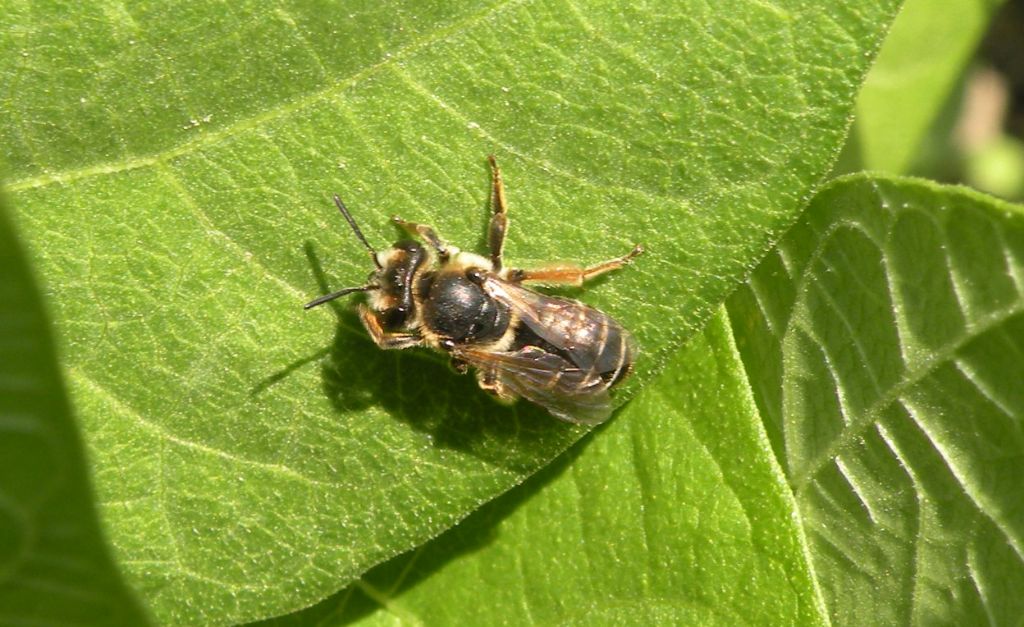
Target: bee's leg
386 339
499 219
459 365
488 381
572 275
425 232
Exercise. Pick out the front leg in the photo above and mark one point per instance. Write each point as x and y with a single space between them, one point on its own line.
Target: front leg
387 340
499 219
426 233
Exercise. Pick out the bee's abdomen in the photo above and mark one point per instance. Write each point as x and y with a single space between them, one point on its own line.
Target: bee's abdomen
587 339
526 337
616 354
612 350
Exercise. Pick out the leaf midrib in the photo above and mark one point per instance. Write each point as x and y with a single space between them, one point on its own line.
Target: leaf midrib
286 108
162 433
942 356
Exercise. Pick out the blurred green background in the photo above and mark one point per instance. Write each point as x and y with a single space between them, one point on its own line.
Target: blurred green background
955 115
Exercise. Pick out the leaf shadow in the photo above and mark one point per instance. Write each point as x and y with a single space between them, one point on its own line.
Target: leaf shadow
477 531
425 394
283 373
402 572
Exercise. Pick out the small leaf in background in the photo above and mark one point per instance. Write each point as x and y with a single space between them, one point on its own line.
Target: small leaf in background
55 567
171 167
676 513
997 167
916 73
885 342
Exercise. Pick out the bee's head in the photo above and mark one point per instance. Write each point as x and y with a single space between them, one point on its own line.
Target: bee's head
393 280
391 283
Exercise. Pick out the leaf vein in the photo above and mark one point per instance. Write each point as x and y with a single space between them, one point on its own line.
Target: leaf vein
915 565
957 474
211 228
847 476
942 356
167 436
976 582
857 425
388 604
214 138
976 380
541 163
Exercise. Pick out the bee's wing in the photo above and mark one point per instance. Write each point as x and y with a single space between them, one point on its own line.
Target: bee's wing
548 380
593 340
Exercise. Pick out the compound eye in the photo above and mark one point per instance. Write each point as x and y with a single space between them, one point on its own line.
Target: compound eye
476 275
409 246
392 319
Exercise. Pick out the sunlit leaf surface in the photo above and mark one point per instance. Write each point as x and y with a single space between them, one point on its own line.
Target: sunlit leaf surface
171 166
674 514
55 568
907 493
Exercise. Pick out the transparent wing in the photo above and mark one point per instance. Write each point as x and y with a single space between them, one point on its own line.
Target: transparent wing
548 380
593 340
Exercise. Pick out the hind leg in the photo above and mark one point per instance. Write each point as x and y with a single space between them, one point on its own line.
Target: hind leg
569 274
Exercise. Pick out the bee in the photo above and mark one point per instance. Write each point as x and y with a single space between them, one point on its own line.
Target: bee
555 352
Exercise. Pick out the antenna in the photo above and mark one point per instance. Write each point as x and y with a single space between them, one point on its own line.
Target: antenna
338 294
355 228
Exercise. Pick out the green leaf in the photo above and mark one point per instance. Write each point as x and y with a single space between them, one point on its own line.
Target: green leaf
675 514
912 517
884 339
55 567
915 75
172 165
